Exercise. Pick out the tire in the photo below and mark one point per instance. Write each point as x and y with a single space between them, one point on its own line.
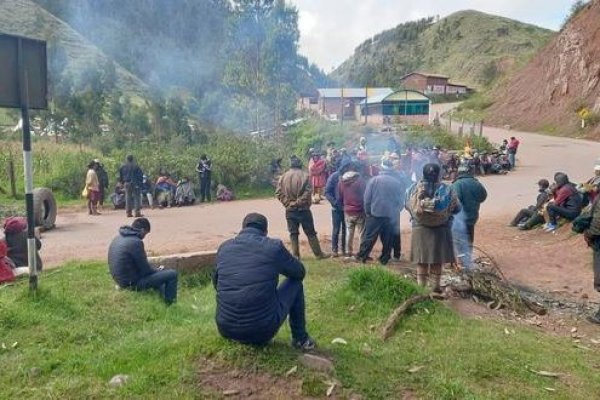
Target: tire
44 208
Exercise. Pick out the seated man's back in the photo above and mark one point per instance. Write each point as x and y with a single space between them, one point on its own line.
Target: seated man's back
250 305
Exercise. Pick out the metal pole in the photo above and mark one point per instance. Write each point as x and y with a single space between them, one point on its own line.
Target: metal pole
28 167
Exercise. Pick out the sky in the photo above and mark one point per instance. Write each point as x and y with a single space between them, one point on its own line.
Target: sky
331 29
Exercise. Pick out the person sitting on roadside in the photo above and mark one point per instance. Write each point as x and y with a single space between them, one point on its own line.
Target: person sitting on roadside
147 191
165 189
251 306
8 270
590 189
184 194
15 234
224 193
566 203
118 196
531 216
129 266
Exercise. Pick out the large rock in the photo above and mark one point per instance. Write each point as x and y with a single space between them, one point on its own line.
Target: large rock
187 262
316 363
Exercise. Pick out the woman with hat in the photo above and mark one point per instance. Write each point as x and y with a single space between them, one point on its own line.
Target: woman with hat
92 187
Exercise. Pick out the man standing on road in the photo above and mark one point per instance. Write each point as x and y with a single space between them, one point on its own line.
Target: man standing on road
103 180
251 307
471 193
512 148
337 212
383 200
204 169
131 175
294 192
129 264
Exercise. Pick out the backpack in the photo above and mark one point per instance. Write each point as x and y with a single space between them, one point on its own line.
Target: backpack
431 212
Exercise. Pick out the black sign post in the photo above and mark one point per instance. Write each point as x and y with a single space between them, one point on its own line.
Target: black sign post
23 85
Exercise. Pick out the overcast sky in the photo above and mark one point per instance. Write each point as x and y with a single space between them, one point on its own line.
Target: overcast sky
331 29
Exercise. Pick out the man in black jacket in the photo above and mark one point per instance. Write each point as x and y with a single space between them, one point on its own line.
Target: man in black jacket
251 307
528 217
129 264
131 175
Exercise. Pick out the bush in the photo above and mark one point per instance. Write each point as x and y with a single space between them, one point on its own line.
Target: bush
380 286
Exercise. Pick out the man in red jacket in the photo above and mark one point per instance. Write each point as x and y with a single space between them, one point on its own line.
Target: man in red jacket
351 189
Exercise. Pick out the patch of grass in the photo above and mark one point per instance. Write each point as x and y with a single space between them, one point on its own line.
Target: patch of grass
79 331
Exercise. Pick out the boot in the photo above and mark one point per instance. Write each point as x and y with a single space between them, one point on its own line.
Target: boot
422 275
316 248
435 277
295 246
594 318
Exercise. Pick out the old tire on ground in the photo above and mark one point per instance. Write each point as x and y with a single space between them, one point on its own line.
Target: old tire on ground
44 208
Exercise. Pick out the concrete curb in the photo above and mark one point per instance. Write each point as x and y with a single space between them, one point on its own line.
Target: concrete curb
187 262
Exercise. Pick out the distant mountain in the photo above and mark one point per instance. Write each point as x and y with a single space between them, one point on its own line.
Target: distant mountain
471 47
69 52
560 85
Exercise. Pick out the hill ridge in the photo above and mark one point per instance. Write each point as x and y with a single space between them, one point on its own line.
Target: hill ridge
80 52
469 46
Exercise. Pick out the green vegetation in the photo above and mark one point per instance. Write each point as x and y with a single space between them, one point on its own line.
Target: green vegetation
469 46
472 110
427 138
79 331
185 65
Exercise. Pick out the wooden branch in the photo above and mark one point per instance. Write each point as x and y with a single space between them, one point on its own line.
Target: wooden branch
388 327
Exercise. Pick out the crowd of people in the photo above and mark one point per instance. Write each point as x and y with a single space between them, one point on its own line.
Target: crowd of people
134 189
366 204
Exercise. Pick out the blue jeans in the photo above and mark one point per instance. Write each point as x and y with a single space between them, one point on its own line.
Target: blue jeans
164 281
512 159
339 223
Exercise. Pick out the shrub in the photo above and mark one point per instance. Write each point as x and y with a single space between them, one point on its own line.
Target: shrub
380 286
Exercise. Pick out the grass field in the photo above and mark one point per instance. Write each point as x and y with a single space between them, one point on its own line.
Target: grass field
79 331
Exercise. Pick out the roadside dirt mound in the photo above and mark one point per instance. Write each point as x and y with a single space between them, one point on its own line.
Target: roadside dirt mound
563 78
223 381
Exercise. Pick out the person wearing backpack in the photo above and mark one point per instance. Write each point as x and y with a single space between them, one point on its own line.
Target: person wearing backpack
471 193
382 204
432 205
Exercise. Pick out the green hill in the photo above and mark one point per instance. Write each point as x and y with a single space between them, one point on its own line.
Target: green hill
69 53
469 46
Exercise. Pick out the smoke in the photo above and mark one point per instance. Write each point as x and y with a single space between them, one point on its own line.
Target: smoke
462 247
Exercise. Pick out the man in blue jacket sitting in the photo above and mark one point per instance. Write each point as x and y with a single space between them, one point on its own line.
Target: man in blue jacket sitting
129 264
251 307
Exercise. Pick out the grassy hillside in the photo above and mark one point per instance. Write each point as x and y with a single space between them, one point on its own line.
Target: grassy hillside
469 46
66 47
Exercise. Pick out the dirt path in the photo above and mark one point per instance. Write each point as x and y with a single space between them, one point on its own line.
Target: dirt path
546 261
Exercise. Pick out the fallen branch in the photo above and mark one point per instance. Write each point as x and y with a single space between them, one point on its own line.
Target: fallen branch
388 327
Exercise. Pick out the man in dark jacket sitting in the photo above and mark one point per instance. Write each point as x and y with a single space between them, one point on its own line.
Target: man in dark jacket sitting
129 264
250 306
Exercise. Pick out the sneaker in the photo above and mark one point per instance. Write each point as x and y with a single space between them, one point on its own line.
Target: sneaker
323 256
550 227
334 254
307 344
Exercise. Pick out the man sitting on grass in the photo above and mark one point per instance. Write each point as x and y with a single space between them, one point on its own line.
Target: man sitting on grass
129 264
251 307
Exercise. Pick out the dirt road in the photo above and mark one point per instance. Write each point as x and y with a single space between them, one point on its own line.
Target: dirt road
82 237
